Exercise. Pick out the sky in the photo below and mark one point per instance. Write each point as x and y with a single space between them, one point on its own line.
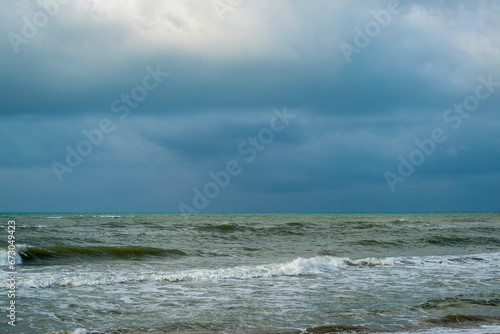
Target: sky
249 106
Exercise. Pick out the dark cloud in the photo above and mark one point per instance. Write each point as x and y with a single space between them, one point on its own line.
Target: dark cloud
353 120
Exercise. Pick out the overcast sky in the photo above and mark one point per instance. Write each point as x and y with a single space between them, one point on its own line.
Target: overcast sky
292 106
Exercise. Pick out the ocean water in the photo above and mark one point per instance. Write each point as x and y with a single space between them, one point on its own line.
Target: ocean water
254 273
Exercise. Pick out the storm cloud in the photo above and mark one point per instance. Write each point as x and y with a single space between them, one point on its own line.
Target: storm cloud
95 72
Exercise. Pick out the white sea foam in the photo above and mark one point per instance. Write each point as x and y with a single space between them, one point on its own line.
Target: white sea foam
485 329
297 267
4 255
80 331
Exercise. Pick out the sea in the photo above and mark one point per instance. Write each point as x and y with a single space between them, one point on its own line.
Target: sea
251 273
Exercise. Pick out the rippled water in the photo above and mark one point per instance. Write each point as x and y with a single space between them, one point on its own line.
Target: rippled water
248 273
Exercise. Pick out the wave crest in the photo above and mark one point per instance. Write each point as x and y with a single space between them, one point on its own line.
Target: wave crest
69 254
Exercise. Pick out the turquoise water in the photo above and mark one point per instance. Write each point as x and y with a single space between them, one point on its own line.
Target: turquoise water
254 273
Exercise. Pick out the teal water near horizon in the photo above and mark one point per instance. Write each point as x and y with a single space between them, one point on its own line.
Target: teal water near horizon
255 273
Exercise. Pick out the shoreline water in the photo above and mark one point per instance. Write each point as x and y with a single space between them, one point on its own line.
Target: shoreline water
258 273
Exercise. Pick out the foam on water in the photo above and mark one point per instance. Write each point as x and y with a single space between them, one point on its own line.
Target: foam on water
406 273
4 256
297 267
484 329
80 331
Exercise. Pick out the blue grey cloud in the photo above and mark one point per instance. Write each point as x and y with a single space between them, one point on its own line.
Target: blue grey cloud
355 119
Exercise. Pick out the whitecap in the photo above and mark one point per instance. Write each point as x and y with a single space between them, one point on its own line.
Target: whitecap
297 267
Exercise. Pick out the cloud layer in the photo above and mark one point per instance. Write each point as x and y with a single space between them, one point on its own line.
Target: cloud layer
230 64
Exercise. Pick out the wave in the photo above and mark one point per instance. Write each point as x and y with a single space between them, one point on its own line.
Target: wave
68 254
289 228
372 242
114 224
448 324
440 240
474 301
4 257
297 267
465 318
225 227
477 329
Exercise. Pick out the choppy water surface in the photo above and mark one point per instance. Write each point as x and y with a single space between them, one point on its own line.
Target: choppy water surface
248 273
